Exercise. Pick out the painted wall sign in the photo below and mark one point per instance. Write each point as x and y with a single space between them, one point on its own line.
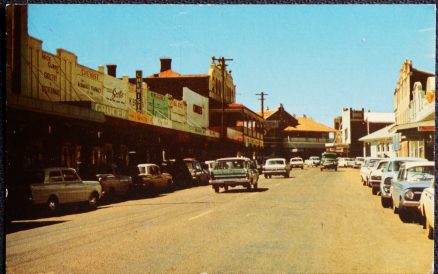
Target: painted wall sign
49 77
114 93
426 128
157 121
157 104
138 90
88 84
197 108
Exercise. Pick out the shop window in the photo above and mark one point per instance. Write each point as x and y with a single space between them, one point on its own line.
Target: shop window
96 156
67 155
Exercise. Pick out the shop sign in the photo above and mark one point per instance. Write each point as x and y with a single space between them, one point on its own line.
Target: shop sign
115 92
88 82
234 134
49 77
160 122
157 104
111 111
138 82
139 117
426 128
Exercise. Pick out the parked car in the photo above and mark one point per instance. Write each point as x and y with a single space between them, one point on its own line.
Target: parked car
297 162
358 162
276 166
350 162
376 176
199 175
344 162
389 172
313 161
368 163
52 187
232 172
113 183
210 165
328 161
407 188
181 176
151 178
427 209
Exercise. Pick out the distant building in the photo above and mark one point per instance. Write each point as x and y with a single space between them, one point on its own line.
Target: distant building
289 136
355 124
379 143
414 108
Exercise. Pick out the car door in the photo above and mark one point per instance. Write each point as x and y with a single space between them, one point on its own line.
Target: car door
396 185
75 190
157 177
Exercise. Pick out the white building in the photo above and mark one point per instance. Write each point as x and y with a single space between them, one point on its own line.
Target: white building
379 143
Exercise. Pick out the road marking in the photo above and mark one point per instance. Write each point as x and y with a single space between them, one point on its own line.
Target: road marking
200 215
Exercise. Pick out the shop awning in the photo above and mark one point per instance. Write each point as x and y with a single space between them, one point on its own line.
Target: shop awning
419 126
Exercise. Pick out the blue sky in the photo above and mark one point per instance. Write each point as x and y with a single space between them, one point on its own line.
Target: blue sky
314 59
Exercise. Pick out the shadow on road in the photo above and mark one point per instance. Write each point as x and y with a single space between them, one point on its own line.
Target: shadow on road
155 204
241 190
17 226
280 178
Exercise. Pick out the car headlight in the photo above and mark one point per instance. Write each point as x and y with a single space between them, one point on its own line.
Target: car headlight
409 194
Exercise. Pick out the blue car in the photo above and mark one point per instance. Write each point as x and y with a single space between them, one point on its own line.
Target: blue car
406 189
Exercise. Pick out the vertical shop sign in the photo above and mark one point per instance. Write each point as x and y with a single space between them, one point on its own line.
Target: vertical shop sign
139 79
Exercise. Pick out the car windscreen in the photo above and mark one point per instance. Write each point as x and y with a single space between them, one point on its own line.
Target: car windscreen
275 162
189 165
296 160
230 164
420 173
382 165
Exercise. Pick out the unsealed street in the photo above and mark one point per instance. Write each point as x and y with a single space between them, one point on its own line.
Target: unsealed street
312 222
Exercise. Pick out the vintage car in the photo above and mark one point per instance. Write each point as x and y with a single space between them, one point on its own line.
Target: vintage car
232 172
358 162
276 166
389 172
296 162
151 178
376 176
115 185
312 161
200 176
407 188
52 187
210 165
328 161
427 208
368 163
344 162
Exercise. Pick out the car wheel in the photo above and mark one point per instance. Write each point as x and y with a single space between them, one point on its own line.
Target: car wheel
302 167
225 188
286 175
270 176
216 189
52 204
385 202
266 176
248 186
404 215
321 168
429 229
256 186
374 190
92 200
336 169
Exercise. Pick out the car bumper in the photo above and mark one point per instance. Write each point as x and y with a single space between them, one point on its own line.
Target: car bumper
375 183
413 204
229 182
297 165
274 172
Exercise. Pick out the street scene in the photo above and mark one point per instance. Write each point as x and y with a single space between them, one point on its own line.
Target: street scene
287 225
200 139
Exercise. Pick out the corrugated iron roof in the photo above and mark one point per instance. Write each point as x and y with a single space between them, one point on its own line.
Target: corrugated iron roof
308 124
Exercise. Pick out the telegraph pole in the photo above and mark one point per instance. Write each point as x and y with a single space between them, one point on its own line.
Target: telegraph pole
222 61
262 99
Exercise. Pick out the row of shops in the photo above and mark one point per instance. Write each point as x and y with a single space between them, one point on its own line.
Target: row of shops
62 113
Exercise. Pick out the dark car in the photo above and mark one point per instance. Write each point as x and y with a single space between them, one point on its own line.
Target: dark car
180 173
328 161
199 175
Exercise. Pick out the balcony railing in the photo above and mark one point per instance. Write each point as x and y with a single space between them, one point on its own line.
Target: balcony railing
308 140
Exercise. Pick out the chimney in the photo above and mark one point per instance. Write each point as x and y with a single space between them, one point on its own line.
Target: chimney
166 64
111 69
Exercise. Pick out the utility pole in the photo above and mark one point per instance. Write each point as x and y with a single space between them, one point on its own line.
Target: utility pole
262 99
222 61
